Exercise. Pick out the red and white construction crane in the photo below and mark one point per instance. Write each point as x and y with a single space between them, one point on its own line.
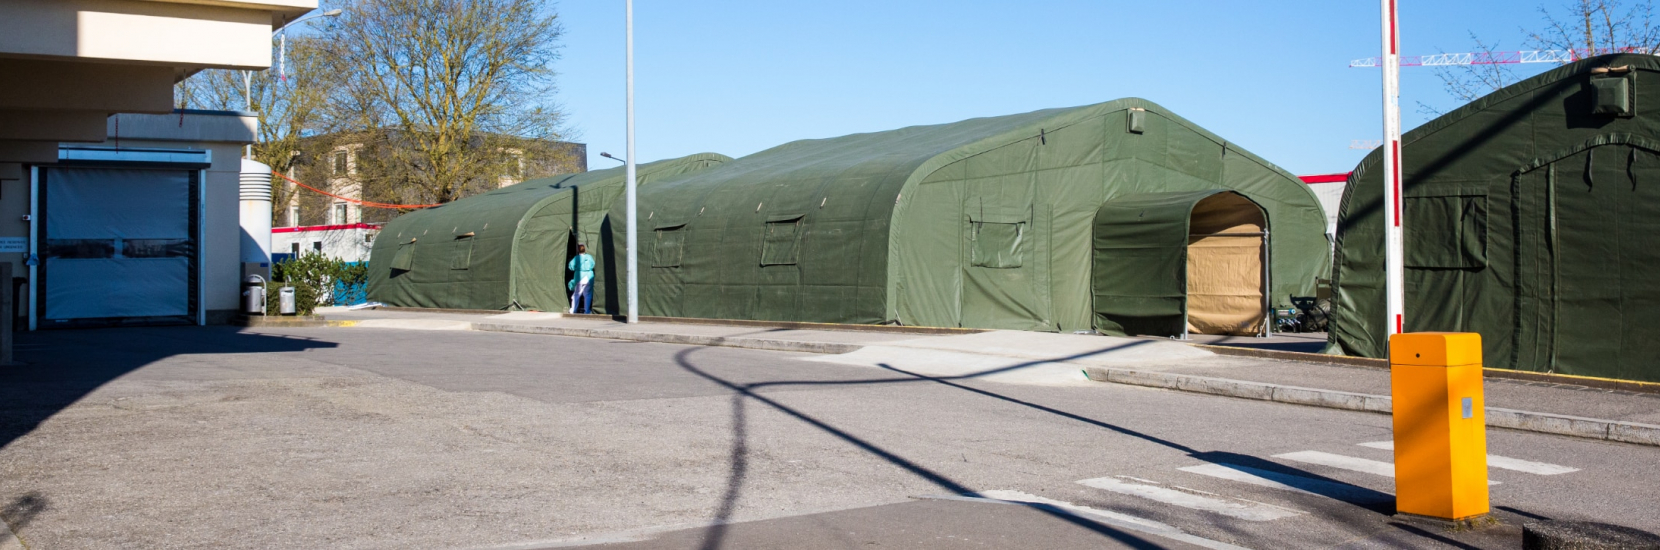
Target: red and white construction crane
1496 58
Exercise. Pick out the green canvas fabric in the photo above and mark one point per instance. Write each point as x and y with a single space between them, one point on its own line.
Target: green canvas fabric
1531 218
1139 269
508 248
981 223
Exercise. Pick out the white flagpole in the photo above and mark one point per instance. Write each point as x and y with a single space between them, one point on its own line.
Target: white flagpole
1393 255
633 207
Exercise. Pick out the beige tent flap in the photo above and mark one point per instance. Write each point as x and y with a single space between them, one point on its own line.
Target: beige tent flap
1224 267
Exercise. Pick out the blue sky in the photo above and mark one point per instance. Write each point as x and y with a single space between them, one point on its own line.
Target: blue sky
739 77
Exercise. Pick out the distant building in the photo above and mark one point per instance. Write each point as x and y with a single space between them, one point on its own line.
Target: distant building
1329 189
308 222
350 242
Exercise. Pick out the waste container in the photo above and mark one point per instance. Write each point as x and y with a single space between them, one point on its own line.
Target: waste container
253 295
285 301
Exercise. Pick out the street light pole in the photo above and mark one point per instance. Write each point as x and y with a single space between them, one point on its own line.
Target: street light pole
1394 278
282 66
628 161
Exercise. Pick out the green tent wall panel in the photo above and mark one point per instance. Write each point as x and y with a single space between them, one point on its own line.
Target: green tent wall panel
981 223
507 249
1531 219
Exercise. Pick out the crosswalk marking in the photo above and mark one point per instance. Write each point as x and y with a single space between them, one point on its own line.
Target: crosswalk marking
1350 463
1288 482
1251 512
1497 461
1115 519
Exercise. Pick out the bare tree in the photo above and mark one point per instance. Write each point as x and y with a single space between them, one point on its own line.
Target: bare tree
1583 28
1596 27
448 97
1466 83
291 105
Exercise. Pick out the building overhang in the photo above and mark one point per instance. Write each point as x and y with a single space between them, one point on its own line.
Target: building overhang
187 35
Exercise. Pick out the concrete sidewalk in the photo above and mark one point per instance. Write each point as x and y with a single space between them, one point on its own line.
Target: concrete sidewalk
1071 359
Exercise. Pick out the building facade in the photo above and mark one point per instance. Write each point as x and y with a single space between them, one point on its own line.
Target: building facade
170 251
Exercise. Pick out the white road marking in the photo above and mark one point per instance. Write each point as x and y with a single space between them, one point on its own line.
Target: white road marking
1115 519
1147 481
1288 482
1350 463
1497 461
1250 512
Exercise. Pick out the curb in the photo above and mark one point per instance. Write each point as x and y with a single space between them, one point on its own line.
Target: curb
664 338
791 325
1555 424
1282 355
291 321
1491 373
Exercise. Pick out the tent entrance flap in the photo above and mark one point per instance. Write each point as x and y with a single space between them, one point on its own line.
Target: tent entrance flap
1225 267
1166 264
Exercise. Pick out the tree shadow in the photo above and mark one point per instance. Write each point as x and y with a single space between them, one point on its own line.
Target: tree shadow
717 531
60 367
1364 498
22 510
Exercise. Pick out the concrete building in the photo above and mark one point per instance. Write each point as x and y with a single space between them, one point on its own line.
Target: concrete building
69 66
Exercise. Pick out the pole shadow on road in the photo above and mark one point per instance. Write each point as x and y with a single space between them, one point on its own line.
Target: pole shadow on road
1368 499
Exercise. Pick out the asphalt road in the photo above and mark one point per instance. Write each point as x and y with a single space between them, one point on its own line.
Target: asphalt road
380 438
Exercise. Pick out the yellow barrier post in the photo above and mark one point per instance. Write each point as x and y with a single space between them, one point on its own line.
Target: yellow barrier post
1440 425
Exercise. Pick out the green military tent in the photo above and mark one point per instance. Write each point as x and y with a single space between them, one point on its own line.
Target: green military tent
1532 217
507 249
988 223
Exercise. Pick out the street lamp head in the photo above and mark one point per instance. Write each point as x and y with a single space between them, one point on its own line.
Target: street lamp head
608 155
332 13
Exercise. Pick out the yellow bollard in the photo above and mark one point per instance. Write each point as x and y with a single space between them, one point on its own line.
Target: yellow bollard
1440 425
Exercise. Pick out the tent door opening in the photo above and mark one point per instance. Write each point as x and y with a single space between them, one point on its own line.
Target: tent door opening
1171 264
1227 267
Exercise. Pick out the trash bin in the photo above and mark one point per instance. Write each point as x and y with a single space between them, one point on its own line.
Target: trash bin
285 301
253 295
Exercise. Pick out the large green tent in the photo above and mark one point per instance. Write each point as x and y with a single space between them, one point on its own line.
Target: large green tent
1530 218
507 249
982 223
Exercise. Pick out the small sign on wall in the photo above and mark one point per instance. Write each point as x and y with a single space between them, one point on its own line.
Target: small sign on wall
14 245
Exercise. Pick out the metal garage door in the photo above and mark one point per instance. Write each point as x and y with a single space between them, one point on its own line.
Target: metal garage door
118 245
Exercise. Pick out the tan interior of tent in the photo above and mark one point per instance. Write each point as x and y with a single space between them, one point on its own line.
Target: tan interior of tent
1225 267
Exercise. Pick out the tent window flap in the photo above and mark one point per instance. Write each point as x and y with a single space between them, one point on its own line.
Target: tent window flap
404 260
462 256
782 241
997 245
1446 232
670 247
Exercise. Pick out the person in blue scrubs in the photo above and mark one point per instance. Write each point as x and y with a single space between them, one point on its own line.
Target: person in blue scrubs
581 285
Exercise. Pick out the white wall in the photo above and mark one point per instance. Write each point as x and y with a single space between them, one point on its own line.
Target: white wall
1331 196
351 245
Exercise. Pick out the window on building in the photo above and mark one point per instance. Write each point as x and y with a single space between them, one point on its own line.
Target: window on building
340 213
340 164
294 217
294 249
317 246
